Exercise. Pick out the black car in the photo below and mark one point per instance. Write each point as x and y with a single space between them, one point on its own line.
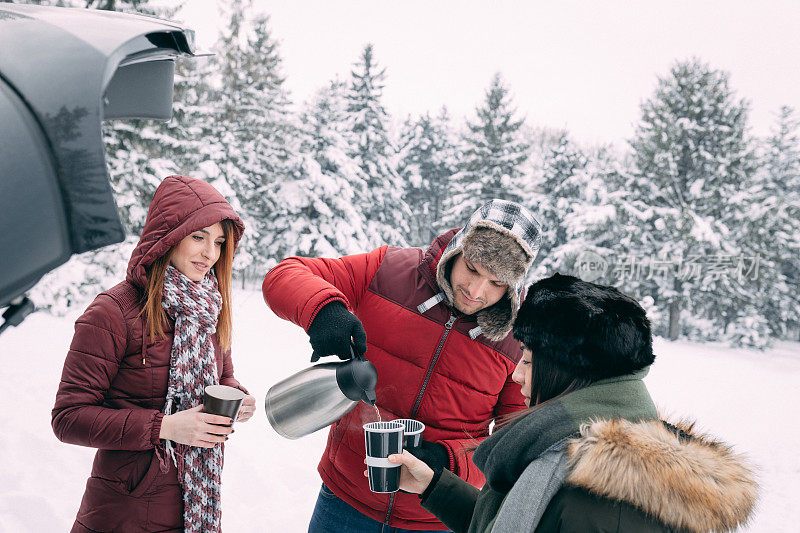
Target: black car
62 72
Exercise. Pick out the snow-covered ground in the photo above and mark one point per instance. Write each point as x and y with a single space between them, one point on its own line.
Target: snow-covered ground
749 399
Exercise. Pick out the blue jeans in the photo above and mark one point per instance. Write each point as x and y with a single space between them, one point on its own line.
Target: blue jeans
332 515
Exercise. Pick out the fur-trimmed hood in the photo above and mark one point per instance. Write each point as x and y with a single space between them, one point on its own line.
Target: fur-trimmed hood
684 480
503 237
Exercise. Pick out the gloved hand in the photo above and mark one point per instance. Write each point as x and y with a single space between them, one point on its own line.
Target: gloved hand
433 454
331 331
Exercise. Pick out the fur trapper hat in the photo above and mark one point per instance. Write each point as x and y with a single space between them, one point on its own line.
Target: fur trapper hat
504 238
592 331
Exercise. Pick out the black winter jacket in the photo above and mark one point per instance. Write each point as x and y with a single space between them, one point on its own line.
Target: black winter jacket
624 476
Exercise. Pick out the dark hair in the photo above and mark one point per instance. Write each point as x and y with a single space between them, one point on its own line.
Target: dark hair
549 381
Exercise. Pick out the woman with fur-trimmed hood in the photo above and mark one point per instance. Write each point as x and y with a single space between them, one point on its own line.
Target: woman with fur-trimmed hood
590 453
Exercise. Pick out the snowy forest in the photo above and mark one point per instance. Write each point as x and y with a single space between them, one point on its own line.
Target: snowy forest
695 217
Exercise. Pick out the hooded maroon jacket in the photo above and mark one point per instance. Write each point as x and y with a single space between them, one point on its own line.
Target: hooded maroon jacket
114 386
429 368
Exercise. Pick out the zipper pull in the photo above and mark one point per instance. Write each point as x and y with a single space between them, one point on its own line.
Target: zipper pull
449 323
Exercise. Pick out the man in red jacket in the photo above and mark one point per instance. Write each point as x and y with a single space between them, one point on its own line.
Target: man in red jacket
436 326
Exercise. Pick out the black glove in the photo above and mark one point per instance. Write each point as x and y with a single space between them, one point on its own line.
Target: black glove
331 330
433 454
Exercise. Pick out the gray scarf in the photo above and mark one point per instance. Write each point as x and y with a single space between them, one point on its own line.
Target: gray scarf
524 460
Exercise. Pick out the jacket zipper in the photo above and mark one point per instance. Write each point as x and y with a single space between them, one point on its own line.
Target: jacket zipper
144 342
447 327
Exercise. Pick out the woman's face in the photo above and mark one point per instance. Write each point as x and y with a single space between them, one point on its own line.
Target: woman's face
522 375
198 252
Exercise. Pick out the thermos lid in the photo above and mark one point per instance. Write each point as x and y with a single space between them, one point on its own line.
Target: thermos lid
357 378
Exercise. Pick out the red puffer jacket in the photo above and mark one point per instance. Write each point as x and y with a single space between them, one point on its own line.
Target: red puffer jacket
113 385
428 366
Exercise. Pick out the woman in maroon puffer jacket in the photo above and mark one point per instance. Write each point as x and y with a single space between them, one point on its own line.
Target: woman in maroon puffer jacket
135 396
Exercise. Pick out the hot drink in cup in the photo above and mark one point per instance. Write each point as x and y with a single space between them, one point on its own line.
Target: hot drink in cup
222 400
412 432
383 439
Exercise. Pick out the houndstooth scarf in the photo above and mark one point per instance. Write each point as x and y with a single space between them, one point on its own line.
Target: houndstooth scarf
195 307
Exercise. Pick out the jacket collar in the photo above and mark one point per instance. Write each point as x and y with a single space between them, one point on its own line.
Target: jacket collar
430 260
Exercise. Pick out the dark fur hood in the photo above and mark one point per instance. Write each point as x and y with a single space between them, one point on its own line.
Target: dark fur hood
588 330
684 480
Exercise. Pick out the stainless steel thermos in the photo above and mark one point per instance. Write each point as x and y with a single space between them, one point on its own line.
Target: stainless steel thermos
320 395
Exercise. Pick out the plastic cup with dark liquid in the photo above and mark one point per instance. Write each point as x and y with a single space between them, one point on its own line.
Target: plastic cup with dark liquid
412 433
383 439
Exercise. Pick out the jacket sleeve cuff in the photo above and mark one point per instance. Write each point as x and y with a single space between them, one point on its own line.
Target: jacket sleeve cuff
451 458
434 480
156 430
452 500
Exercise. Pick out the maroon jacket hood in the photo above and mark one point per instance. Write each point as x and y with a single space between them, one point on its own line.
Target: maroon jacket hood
430 261
180 206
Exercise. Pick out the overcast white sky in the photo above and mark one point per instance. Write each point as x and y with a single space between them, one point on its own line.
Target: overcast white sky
584 65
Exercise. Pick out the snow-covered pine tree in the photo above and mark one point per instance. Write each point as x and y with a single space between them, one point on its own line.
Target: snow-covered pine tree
494 152
136 168
185 140
382 204
563 170
772 224
784 165
192 140
574 205
317 215
56 3
428 160
691 157
541 142
257 132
